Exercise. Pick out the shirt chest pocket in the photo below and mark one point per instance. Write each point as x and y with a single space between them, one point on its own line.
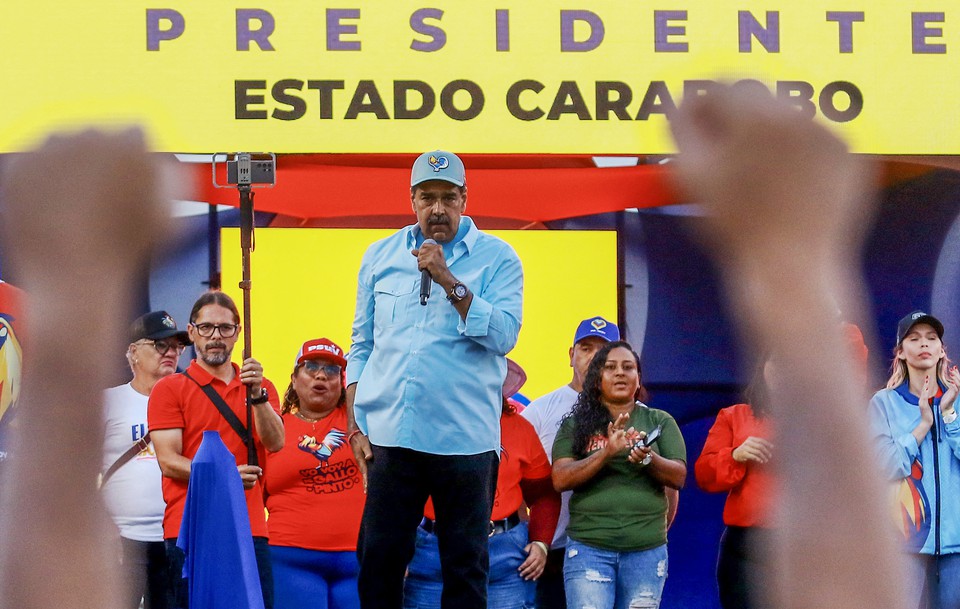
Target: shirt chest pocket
394 301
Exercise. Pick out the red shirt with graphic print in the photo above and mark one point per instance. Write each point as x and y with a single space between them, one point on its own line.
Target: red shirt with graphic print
314 490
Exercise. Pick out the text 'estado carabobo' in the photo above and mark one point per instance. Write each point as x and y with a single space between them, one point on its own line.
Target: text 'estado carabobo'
291 99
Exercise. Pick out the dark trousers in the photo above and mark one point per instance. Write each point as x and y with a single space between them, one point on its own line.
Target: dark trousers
743 575
399 481
144 566
550 594
181 596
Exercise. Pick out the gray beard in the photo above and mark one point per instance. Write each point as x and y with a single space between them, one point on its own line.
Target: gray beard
215 359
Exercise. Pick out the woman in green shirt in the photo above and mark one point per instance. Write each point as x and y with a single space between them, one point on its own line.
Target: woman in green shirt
617 556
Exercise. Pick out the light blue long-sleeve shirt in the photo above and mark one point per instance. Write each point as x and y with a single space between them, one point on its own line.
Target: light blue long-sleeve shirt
426 379
928 474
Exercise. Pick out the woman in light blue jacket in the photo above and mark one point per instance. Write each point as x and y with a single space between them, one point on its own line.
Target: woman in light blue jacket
918 437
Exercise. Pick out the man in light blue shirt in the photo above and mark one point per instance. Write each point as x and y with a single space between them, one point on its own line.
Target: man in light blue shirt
424 387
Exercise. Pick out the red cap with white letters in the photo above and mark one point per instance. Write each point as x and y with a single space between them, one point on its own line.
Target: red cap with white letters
321 348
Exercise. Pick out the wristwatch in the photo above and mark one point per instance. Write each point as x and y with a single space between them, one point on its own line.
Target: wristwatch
457 292
260 399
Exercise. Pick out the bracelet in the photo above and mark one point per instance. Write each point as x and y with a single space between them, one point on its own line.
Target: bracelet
950 417
351 435
542 546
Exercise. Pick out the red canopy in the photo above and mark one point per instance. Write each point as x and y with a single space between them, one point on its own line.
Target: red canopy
521 187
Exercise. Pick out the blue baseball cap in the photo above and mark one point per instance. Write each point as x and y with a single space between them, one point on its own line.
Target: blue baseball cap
438 165
599 327
914 318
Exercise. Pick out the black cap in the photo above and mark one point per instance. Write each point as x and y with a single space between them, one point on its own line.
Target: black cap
917 317
156 325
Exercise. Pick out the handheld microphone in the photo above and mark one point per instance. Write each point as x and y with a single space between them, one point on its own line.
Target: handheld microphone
426 281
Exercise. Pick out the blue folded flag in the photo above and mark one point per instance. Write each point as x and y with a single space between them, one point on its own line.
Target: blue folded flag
220 564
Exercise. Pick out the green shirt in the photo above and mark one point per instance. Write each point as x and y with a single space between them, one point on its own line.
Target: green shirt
622 508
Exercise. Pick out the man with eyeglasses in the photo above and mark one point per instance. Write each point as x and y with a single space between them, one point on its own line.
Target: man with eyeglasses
131 477
424 387
180 411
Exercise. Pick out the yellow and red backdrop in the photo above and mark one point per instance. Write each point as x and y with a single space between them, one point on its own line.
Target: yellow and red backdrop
305 281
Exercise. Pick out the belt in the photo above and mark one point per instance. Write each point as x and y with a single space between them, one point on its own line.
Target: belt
496 526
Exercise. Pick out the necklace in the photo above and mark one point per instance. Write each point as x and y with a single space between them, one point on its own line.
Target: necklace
303 417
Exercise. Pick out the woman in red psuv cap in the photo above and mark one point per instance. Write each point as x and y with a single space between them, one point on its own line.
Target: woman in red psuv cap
313 488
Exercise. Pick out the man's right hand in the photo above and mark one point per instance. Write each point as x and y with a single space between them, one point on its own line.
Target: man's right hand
359 442
362 453
249 474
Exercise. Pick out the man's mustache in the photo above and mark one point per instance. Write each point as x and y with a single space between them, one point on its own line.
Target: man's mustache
438 220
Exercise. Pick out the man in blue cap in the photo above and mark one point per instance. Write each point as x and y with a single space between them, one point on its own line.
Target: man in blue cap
545 414
424 378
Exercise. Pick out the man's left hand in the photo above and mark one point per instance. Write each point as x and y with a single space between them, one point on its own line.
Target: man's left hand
251 373
532 567
249 474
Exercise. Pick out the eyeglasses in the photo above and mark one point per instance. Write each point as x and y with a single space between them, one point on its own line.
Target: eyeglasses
225 330
313 366
162 346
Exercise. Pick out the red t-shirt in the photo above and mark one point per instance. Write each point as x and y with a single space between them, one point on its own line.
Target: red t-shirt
314 490
176 402
751 487
521 458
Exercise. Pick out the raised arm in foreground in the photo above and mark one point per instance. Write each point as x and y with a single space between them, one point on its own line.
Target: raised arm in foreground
786 209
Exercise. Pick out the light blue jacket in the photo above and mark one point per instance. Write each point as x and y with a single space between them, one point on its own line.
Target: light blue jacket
928 496
426 379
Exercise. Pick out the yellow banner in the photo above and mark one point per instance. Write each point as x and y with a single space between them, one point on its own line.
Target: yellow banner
531 76
305 286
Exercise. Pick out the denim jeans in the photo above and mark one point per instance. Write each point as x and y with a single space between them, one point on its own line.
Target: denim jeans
181 596
505 588
606 579
399 480
933 581
313 578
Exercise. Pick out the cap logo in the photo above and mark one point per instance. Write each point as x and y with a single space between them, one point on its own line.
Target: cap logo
598 324
168 322
918 315
327 348
438 163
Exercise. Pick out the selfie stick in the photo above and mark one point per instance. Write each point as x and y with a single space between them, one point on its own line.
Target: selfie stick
246 171
244 185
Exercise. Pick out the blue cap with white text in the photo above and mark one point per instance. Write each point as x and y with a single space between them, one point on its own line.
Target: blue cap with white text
914 318
599 327
438 165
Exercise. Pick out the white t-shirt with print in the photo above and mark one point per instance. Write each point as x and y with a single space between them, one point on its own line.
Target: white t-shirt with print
133 494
